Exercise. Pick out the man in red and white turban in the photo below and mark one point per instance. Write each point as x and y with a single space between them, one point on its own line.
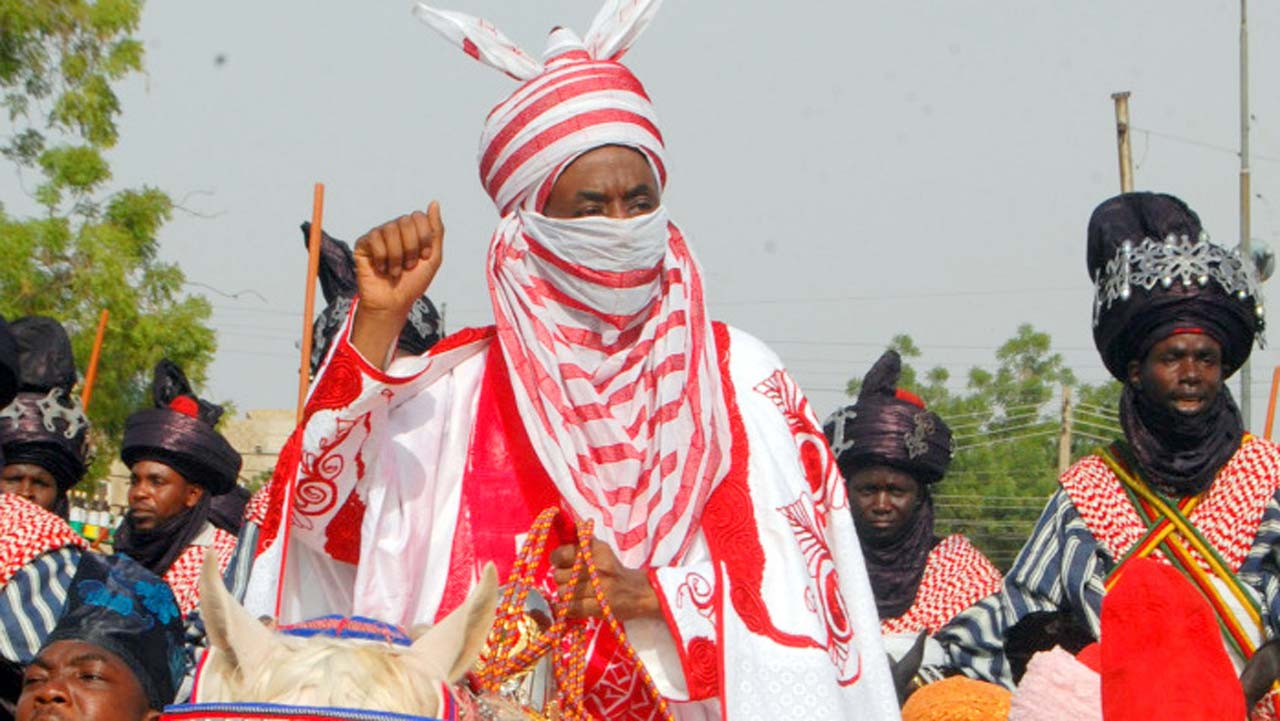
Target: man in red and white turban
723 540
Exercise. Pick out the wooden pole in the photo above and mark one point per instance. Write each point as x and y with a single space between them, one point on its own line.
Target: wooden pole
304 380
1064 438
1246 372
91 375
1122 141
1271 405
309 301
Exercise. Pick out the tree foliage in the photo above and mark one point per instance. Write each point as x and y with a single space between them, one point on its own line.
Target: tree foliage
1007 424
88 247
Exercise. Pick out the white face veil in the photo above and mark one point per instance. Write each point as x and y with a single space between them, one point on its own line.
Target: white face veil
602 323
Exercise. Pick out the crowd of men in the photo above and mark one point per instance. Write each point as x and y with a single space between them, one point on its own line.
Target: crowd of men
761 563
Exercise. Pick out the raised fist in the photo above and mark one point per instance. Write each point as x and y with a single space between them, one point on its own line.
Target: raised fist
395 263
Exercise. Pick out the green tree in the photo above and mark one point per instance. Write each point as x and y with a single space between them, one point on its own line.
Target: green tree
88 247
1007 421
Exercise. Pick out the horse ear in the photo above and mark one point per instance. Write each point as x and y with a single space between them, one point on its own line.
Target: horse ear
454 644
241 638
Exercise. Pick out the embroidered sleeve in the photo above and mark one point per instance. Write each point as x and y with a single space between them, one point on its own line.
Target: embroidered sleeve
688 594
350 399
1058 568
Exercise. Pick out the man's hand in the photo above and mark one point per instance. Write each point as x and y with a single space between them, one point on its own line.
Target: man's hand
627 590
395 263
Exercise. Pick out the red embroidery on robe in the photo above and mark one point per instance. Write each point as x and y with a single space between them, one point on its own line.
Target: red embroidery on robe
266 508
317 491
339 385
702 668
342 535
729 524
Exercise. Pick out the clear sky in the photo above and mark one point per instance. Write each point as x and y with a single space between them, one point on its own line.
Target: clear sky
845 171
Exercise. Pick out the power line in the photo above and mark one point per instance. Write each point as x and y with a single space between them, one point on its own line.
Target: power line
1202 144
1045 433
900 296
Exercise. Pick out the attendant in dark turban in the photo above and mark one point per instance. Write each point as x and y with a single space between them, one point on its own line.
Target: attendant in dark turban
177 463
117 652
43 432
1174 315
891 451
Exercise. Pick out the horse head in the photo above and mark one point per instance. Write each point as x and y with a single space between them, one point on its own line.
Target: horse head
248 662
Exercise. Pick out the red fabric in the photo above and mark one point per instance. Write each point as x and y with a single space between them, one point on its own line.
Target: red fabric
905 395
495 510
1091 656
185 405
1196 678
28 531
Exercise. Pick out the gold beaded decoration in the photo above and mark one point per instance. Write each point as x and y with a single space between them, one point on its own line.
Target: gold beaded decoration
514 645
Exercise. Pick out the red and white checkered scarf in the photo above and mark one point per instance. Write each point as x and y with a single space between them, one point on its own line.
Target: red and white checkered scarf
602 323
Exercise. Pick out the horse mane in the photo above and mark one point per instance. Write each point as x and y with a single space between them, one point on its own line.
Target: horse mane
329 672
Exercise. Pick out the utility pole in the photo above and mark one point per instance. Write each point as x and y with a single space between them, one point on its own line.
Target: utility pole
1122 140
1246 373
1064 437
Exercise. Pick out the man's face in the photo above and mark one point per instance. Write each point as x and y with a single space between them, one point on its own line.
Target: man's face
611 182
883 499
1182 373
78 681
31 482
158 493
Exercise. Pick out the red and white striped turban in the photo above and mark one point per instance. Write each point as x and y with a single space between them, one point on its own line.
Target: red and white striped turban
602 322
578 99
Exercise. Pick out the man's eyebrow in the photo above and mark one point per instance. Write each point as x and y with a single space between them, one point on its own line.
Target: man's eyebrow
593 195
90 656
641 189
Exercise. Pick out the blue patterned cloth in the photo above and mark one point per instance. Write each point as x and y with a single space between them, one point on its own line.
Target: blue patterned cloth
32 602
118 605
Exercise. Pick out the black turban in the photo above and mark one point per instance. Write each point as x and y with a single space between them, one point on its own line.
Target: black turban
888 426
116 604
180 433
45 425
8 365
1171 278
337 275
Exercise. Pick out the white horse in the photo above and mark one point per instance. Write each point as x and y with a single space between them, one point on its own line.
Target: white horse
250 663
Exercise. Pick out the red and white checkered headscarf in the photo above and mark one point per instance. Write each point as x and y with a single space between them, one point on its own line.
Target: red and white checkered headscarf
602 323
